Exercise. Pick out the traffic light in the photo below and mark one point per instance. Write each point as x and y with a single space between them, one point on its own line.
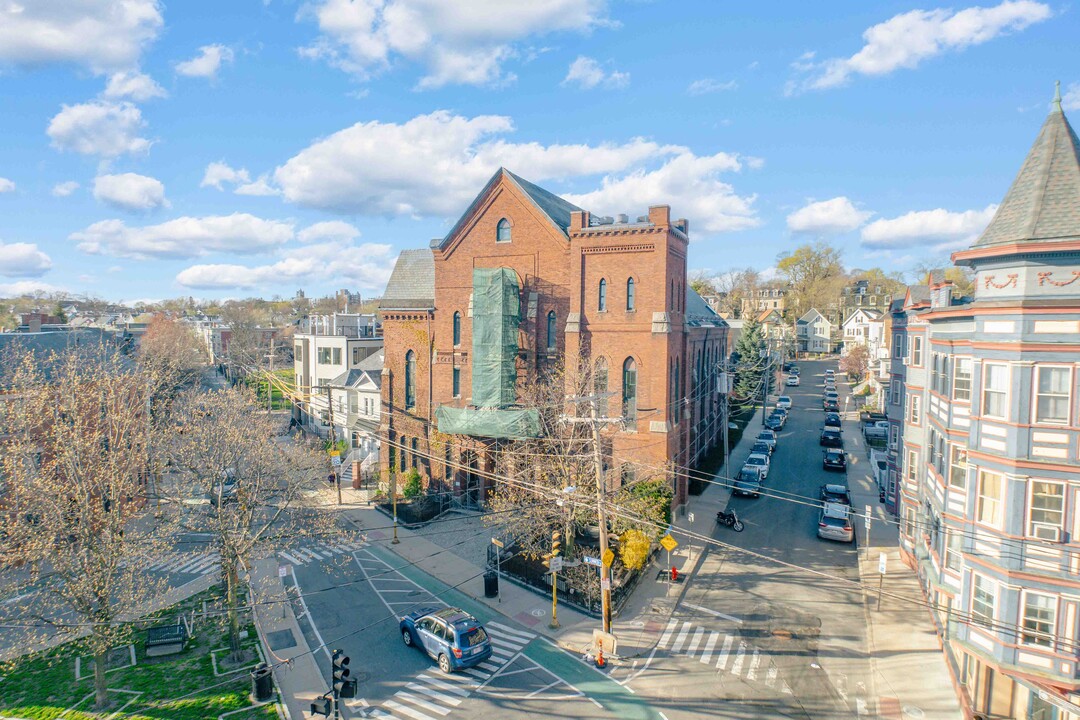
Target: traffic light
321 706
556 543
343 686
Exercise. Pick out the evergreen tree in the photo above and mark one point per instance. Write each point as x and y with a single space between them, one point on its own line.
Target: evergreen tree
750 365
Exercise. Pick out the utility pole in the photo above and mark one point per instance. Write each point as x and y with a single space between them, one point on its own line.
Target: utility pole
269 386
333 439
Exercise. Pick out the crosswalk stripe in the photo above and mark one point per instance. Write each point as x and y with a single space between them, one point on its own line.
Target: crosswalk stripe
290 558
786 690
706 654
202 565
501 653
489 666
422 703
178 563
216 567
724 651
751 674
406 711
315 554
523 637
681 638
189 566
478 674
442 685
770 676
667 633
736 667
434 694
695 641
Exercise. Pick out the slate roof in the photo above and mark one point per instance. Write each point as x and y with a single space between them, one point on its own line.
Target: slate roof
809 317
919 294
554 207
412 284
698 312
1043 203
370 367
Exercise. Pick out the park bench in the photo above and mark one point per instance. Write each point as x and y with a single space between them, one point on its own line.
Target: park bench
165 640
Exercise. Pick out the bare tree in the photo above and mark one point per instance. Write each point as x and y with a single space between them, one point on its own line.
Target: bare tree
256 486
75 439
734 286
171 352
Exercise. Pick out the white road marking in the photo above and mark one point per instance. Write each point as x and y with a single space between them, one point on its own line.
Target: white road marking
667 633
522 637
770 676
681 638
706 654
695 641
751 674
406 711
736 667
290 558
724 651
422 703
434 694
443 685
713 612
311 621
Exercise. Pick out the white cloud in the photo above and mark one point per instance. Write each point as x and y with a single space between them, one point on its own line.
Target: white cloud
6 185
220 172
99 128
261 187
827 217
1071 99
457 41
207 63
439 163
23 260
27 287
905 40
329 230
185 237
587 73
710 85
367 266
134 85
65 188
130 191
690 184
101 35
928 227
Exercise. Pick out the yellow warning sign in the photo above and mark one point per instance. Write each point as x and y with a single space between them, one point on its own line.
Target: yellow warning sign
669 543
608 557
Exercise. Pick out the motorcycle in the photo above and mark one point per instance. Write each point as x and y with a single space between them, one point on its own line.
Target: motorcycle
729 519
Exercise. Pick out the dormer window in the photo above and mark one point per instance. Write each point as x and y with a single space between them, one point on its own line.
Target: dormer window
503 231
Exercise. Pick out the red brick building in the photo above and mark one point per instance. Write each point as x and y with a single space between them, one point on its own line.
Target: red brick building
562 284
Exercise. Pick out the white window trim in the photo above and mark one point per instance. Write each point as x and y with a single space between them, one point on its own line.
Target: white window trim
971 379
917 342
994 605
1035 396
915 410
1000 498
1060 528
911 472
1023 616
1008 390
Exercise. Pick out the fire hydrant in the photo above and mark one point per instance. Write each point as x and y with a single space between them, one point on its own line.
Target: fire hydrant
674 574
600 655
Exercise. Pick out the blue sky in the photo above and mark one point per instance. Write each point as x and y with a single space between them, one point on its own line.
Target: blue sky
257 147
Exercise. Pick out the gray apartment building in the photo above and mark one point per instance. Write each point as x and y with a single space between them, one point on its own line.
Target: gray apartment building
985 448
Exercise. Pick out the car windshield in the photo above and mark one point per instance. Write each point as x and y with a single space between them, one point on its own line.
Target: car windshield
755 460
472 637
748 476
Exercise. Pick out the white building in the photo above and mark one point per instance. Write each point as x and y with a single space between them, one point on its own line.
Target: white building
865 326
813 333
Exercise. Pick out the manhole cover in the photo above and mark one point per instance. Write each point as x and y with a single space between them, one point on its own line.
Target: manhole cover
915 713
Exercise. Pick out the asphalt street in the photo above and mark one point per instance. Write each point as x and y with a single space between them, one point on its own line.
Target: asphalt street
758 638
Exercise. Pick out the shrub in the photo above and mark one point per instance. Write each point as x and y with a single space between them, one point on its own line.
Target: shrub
634 548
412 486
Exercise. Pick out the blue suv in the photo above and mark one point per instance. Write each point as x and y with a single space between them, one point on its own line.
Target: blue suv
451 636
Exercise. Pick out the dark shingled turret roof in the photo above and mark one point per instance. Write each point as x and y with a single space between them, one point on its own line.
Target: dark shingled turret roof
1043 203
412 284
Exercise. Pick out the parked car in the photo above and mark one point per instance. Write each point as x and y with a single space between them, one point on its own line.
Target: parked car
835 523
452 637
759 462
830 384
792 381
834 459
835 493
830 395
768 436
878 429
786 367
831 438
774 423
747 482
832 418
223 491
762 447
830 405
830 373
794 370
784 402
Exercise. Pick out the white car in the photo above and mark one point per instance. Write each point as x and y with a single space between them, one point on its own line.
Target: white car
830 375
793 381
784 401
759 462
767 436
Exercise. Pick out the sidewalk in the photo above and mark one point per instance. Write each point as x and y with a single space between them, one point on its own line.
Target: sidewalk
908 669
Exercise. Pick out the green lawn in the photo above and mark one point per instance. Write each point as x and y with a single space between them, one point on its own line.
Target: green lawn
174 687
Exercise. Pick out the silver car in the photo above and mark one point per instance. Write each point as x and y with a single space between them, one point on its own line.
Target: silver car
835 523
759 462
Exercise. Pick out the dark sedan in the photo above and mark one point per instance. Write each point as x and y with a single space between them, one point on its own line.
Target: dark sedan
831 438
774 423
830 405
834 459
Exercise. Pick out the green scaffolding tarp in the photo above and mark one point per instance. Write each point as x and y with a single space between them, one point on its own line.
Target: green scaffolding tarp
495 320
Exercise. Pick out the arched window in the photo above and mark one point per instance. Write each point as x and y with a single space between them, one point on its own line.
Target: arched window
457 329
410 380
629 389
503 232
600 379
551 331
630 294
601 296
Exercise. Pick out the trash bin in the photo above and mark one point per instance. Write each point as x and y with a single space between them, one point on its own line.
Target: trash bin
262 683
491 584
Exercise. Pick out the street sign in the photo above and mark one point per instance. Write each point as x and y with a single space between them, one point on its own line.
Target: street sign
866 518
605 584
881 560
282 570
669 543
595 562
335 459
608 557
496 542
556 564
691 517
